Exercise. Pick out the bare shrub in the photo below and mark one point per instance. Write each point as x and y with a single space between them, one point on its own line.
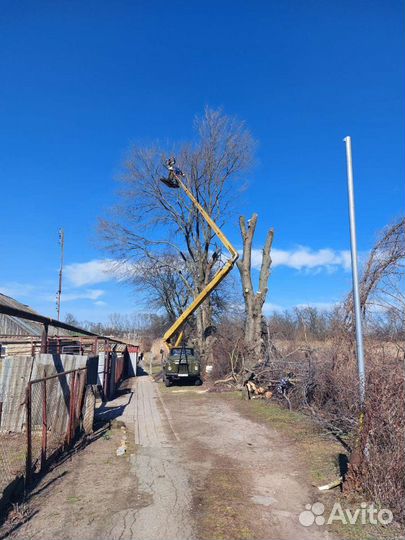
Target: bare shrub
325 384
328 388
382 468
229 349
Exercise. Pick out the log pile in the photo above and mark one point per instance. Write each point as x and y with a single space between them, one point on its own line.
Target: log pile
253 391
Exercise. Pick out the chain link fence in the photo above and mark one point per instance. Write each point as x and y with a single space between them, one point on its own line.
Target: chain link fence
12 459
54 410
43 417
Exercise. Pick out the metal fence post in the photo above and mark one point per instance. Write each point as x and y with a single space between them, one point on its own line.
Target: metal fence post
28 457
73 424
71 408
106 361
44 426
76 415
44 339
108 376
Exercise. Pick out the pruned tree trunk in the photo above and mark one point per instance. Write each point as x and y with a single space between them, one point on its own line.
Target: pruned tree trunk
255 338
205 340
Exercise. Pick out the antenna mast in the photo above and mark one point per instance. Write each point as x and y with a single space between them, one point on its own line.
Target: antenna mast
62 250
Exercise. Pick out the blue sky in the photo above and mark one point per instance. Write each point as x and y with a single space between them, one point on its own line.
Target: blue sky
81 81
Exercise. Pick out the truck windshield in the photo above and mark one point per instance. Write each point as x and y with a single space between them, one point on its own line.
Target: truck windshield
177 352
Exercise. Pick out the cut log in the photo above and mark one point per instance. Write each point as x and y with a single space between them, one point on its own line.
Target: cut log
227 379
252 388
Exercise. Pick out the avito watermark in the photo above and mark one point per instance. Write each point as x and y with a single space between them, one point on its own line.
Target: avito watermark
365 514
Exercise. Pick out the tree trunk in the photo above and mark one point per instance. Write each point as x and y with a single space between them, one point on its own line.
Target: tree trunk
205 339
256 338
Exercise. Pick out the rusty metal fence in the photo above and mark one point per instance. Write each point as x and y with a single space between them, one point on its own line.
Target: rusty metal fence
40 417
113 371
119 370
43 417
54 412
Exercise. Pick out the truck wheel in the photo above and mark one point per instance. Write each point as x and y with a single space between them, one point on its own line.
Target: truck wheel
167 382
198 382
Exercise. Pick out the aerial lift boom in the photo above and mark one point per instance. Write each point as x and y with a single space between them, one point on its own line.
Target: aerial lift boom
174 180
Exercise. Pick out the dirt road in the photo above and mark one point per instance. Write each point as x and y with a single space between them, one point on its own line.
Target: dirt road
195 468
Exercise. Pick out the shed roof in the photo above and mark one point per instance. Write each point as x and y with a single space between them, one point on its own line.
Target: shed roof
14 326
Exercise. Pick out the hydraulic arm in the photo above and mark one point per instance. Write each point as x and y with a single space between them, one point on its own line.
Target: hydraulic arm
174 180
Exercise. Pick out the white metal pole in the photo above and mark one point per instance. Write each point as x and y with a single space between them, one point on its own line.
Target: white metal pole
355 272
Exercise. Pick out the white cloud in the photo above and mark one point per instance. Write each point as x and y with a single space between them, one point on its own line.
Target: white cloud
17 290
97 271
86 294
42 293
90 273
269 308
304 258
322 306
301 258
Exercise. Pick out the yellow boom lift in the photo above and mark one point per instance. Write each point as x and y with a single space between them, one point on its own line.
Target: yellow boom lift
175 180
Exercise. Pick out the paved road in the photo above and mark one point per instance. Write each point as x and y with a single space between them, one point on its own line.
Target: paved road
158 466
99 495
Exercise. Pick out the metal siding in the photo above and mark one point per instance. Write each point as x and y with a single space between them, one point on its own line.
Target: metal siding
14 378
13 326
17 371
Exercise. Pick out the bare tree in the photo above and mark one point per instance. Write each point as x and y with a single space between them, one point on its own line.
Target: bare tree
71 319
152 220
382 282
255 331
167 283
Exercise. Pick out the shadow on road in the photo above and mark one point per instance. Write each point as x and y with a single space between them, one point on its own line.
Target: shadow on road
10 518
107 413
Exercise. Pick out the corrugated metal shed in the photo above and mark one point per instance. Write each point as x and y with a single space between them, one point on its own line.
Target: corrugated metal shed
13 326
16 371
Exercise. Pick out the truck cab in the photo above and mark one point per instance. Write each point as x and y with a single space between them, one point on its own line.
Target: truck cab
181 364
